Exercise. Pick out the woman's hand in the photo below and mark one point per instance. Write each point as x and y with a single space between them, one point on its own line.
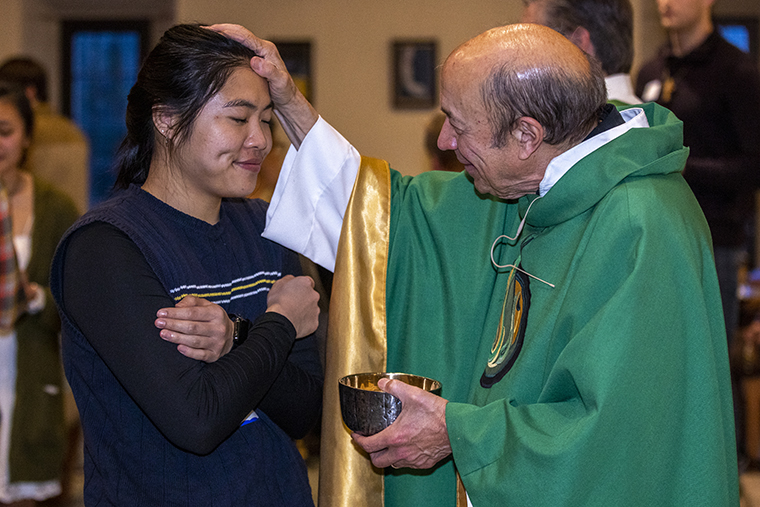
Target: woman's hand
294 111
34 294
201 329
295 298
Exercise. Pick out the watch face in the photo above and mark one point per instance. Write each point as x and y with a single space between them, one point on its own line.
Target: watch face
240 332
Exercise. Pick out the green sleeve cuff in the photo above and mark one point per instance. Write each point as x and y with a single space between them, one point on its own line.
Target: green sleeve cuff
466 424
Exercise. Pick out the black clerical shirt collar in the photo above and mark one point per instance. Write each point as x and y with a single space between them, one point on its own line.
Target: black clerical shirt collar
609 118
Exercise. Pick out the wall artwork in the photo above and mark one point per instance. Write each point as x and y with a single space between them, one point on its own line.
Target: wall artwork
414 74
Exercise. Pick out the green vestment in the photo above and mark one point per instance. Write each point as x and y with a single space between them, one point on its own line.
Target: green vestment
612 387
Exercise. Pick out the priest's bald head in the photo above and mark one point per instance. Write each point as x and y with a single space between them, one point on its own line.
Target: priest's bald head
515 97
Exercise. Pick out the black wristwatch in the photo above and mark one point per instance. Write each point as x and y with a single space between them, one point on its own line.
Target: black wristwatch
240 331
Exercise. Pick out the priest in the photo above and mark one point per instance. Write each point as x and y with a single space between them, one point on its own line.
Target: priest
562 288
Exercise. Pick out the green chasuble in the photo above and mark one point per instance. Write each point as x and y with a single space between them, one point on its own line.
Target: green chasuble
619 103
610 387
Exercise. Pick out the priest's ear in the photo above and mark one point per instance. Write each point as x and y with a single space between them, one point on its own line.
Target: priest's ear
529 135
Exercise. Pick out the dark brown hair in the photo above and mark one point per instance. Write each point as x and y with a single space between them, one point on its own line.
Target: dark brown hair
188 66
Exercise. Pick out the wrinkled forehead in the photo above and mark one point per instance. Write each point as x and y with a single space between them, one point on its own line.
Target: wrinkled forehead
460 78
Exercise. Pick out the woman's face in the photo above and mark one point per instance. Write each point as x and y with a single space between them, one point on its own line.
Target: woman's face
13 138
222 155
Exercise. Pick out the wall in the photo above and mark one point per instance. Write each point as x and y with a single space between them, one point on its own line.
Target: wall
351 44
34 28
10 36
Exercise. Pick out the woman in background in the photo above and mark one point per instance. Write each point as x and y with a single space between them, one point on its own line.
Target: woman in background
167 424
31 401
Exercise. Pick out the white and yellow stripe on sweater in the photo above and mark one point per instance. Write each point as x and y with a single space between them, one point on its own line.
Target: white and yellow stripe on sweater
225 292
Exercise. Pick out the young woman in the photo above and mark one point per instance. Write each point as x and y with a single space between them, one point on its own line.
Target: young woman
31 398
210 421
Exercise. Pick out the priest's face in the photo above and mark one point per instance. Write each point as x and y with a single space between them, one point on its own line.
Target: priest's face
495 170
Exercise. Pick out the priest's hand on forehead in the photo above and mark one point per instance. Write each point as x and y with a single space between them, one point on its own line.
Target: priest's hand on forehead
295 113
268 64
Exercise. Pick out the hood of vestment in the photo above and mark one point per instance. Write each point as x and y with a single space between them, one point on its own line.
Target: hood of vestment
639 152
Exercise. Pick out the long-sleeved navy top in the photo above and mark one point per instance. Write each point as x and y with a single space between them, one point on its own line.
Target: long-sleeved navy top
158 426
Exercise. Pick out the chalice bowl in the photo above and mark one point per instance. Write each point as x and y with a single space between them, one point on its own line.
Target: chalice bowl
366 409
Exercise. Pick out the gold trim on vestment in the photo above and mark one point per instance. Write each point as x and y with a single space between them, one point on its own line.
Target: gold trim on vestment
461 493
356 335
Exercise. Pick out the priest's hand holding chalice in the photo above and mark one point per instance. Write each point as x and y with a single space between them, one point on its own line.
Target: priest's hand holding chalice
398 419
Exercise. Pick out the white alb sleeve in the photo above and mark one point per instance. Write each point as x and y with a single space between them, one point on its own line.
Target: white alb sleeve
312 192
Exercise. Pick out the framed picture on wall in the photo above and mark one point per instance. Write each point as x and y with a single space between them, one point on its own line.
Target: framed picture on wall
297 58
414 75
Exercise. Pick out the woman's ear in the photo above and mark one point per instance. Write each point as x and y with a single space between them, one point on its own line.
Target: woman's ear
163 122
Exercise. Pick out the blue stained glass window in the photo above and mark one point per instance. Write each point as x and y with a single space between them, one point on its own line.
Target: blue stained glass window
104 66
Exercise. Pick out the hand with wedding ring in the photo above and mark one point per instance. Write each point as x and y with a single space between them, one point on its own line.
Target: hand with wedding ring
418 438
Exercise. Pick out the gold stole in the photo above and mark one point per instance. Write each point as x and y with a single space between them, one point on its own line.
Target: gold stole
357 335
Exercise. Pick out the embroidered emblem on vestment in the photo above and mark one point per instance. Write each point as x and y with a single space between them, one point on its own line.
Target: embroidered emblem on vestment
511 332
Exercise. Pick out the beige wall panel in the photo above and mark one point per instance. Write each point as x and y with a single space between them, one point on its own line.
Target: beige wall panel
351 62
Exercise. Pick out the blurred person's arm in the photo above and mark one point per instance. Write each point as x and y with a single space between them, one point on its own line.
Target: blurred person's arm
10 294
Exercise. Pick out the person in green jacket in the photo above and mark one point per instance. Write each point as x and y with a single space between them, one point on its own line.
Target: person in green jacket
562 289
32 435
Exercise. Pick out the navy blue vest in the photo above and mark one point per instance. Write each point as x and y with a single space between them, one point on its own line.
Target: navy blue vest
127 460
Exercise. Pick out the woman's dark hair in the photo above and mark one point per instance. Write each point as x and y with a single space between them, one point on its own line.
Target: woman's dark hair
15 95
25 72
188 66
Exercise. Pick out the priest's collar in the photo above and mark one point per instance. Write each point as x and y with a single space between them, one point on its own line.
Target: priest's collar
612 124
609 118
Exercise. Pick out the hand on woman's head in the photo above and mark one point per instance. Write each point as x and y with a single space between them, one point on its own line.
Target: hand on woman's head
268 64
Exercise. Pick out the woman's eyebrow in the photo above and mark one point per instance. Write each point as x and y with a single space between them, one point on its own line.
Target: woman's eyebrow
248 104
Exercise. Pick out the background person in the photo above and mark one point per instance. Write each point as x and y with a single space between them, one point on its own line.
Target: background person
601 28
32 426
714 89
11 292
59 152
180 239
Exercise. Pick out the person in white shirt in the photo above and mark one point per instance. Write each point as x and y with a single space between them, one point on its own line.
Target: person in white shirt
601 28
